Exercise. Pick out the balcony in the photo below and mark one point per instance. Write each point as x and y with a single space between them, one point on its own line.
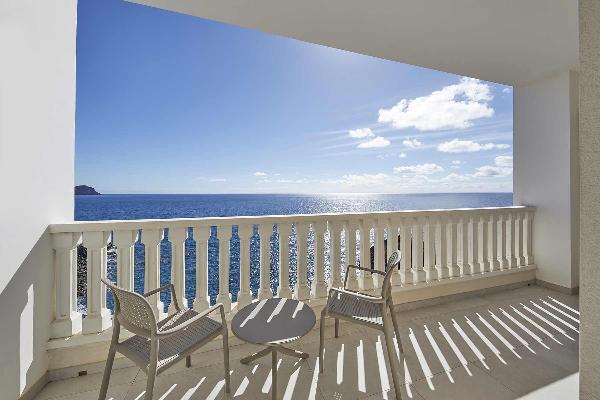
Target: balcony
447 255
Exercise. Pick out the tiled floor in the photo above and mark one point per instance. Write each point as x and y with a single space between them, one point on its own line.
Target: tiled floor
499 346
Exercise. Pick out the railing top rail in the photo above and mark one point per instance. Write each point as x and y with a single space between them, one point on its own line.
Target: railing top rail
109 225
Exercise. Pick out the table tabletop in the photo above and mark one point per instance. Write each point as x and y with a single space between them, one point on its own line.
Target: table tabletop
273 321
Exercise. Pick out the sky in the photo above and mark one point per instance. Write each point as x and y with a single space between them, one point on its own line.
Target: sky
168 103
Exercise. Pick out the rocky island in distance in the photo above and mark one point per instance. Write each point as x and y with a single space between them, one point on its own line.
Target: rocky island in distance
85 190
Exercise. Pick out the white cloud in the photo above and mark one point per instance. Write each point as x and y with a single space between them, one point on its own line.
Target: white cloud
454 106
361 133
491 171
504 161
367 180
218 180
457 162
507 90
377 142
468 146
402 155
420 169
260 174
412 143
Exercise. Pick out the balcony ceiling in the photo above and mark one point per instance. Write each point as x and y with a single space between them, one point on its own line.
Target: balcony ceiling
513 42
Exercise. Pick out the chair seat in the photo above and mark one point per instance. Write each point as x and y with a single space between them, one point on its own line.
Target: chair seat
172 348
352 307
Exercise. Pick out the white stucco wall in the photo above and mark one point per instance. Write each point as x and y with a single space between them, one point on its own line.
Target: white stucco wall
589 162
37 118
545 172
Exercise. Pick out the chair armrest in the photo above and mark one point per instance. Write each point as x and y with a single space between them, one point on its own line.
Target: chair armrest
169 332
373 271
160 289
355 294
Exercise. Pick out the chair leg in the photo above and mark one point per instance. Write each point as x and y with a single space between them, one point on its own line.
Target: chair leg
150 381
337 328
396 328
322 340
392 356
226 360
107 372
188 361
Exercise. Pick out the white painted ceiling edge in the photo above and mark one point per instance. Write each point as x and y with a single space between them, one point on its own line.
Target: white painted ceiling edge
514 42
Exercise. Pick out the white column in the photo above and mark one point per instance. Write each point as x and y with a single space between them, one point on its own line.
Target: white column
482 243
177 238
473 246
429 249
463 245
406 249
417 250
502 259
302 291
151 239
493 243
379 251
510 241
224 236
441 246
365 279
98 316
335 233
124 240
518 239
201 235
67 321
352 282
284 230
527 238
452 246
245 295
265 233
392 245
319 288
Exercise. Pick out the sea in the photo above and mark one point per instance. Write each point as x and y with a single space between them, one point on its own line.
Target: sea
150 206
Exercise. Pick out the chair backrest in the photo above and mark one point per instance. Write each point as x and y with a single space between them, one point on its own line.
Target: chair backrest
133 311
390 267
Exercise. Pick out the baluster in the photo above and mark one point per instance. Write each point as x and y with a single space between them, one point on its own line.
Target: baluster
224 234
463 246
429 250
67 320
417 250
302 290
518 249
284 231
335 233
201 235
319 288
365 279
452 230
473 246
245 295
265 233
493 243
482 243
510 240
527 238
502 259
98 316
406 249
392 245
352 282
379 251
124 240
151 239
441 247
177 238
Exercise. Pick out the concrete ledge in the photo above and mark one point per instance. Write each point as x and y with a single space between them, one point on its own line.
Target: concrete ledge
69 357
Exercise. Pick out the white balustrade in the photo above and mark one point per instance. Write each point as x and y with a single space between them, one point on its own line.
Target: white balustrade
436 245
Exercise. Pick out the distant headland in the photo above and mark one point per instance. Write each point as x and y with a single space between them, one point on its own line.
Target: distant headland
85 190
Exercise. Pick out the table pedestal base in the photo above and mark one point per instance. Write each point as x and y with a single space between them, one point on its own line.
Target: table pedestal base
273 350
